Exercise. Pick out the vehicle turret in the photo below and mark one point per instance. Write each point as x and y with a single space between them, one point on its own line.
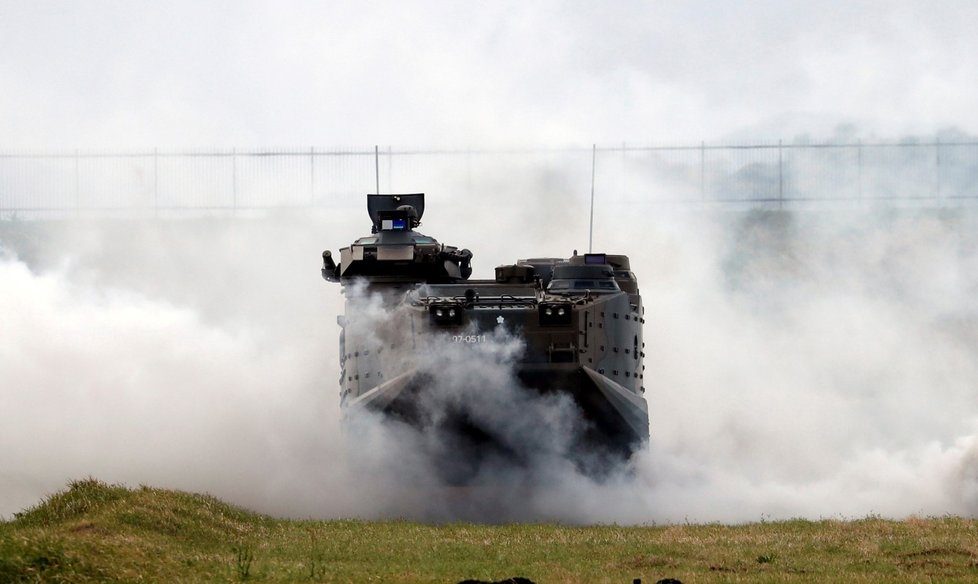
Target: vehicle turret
394 252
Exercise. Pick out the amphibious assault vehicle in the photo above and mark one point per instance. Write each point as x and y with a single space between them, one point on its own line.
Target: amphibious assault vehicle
579 320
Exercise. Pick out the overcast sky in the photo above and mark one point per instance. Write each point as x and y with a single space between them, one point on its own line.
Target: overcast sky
123 73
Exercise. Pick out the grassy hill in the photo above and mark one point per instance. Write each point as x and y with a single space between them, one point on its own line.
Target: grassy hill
94 532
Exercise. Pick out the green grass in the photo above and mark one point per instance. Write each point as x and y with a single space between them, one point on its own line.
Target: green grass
93 532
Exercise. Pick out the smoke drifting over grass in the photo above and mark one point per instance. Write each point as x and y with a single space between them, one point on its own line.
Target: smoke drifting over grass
815 364
159 354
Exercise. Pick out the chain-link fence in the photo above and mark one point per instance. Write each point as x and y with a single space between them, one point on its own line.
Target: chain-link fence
166 183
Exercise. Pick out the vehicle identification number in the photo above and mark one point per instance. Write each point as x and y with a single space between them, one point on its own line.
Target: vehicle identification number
469 338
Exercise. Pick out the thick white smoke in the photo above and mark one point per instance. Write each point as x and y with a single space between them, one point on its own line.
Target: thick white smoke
488 442
186 354
816 364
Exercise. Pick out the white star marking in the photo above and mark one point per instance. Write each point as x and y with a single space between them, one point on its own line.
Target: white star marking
500 319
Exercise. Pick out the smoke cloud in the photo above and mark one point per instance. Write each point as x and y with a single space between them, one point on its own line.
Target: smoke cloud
811 363
808 364
429 73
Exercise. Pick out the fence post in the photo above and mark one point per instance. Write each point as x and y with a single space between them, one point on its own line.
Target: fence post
468 170
156 182
234 182
703 170
780 175
623 175
77 184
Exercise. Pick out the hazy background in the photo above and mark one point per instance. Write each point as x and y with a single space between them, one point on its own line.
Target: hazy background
816 364
140 74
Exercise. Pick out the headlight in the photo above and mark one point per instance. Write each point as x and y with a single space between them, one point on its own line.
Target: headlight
556 315
446 315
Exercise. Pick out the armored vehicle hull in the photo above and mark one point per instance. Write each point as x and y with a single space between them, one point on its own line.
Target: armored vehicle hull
412 311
